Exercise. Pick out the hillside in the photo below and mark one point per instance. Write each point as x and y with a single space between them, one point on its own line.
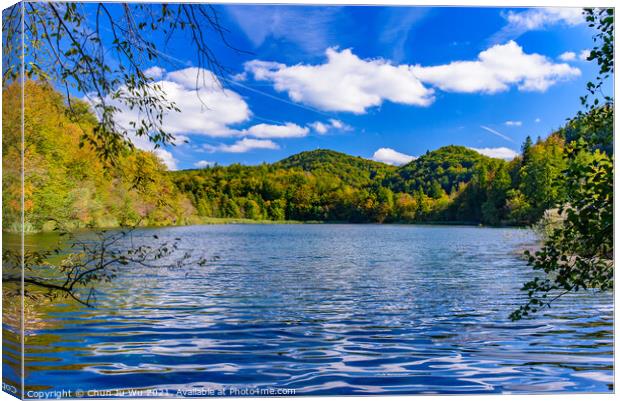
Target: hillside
65 183
331 186
352 170
451 184
443 169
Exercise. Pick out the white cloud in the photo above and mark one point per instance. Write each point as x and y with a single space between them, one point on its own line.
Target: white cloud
206 107
390 156
242 76
496 69
568 56
584 54
154 72
512 123
498 153
536 18
142 142
322 128
203 163
319 127
347 83
243 145
344 83
288 130
338 124
496 133
537 120
180 140
167 158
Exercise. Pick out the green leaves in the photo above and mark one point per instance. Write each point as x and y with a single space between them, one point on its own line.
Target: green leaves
578 255
101 49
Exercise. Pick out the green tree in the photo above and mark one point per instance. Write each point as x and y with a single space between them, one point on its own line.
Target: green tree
252 210
493 209
579 254
541 176
518 208
525 149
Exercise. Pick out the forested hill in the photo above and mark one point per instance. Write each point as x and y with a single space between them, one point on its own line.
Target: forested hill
443 169
66 183
452 183
352 170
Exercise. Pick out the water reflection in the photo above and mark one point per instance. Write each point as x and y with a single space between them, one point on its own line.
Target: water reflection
330 309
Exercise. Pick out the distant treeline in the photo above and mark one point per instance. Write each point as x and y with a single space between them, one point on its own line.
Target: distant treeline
450 184
66 183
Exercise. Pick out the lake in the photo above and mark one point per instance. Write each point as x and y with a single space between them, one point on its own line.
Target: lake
327 309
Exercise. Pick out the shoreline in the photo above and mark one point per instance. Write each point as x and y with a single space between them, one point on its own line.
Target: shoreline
207 221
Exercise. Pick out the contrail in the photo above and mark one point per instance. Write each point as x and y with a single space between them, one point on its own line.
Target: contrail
494 132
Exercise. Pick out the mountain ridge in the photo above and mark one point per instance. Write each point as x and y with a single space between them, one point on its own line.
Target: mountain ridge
296 159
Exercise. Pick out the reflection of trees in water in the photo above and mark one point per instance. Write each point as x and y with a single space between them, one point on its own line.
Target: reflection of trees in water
34 313
72 269
76 265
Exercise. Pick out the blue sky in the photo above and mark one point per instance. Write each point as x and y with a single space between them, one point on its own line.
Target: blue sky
383 82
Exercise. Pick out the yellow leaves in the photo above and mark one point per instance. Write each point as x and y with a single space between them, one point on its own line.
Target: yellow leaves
68 182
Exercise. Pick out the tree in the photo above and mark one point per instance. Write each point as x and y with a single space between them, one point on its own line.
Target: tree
87 262
541 176
102 50
384 204
518 208
525 149
493 209
69 184
579 254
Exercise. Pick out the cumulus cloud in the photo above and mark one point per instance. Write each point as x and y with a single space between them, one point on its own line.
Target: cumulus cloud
347 83
495 70
243 145
242 76
180 139
568 56
142 142
323 127
390 156
288 130
319 127
206 107
166 157
203 163
338 124
584 54
498 153
154 72
344 82
512 123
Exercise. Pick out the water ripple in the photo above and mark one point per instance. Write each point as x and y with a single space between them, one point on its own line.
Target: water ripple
335 309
